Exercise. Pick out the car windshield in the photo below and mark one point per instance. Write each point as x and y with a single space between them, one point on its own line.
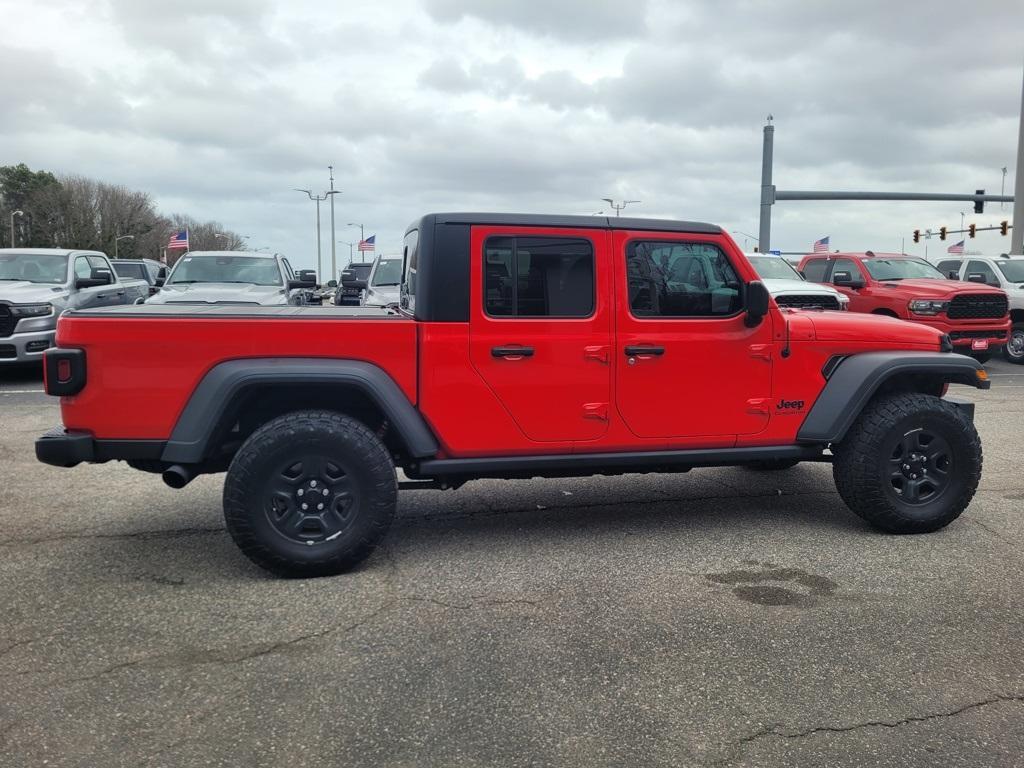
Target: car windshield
901 269
388 272
251 270
774 267
1013 270
34 267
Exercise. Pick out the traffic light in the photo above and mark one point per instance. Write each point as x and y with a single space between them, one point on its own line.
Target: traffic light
942 233
979 205
1004 227
917 235
972 229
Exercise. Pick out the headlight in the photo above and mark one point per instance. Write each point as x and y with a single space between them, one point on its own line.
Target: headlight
32 310
927 306
844 301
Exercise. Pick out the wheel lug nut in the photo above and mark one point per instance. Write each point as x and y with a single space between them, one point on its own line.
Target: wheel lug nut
319 506
312 483
326 491
305 506
301 491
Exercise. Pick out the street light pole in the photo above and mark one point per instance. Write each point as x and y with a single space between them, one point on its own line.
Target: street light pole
1017 238
618 208
332 193
350 256
13 214
117 240
319 199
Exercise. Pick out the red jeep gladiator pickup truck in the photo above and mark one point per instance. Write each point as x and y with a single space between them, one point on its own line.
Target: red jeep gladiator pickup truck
976 317
523 346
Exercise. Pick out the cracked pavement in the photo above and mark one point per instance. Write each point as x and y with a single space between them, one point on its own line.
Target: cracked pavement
719 617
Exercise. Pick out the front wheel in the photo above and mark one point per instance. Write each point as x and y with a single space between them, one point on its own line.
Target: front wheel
1014 349
910 463
310 493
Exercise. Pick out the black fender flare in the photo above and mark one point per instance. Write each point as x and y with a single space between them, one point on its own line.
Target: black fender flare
222 383
856 379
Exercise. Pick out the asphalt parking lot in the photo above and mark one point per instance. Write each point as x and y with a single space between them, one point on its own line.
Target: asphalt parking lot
719 617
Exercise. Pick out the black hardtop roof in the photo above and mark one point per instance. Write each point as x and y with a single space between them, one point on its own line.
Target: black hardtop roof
575 222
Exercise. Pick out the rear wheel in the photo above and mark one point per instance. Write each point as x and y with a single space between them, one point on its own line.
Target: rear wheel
910 464
310 493
1014 349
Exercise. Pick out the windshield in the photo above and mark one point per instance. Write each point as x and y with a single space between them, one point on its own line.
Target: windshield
34 267
901 269
137 271
388 272
774 267
1013 271
251 270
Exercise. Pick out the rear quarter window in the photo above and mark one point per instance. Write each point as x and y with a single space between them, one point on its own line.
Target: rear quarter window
814 270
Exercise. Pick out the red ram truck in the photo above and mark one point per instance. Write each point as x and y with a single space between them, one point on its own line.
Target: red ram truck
975 317
523 346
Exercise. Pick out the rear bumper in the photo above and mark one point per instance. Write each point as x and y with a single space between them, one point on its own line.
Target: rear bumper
25 347
66 448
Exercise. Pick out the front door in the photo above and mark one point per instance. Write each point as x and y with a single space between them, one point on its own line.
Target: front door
540 327
686 364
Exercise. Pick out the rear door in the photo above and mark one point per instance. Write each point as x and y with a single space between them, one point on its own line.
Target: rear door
686 364
540 327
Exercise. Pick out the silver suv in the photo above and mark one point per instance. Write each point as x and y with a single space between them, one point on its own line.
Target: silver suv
1006 272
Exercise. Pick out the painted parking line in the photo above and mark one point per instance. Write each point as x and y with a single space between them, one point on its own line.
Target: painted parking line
22 391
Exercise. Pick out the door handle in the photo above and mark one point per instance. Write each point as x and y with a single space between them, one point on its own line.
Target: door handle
511 351
101 295
634 350
120 293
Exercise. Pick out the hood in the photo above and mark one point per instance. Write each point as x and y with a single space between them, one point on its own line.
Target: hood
221 293
938 288
24 292
778 286
382 295
864 327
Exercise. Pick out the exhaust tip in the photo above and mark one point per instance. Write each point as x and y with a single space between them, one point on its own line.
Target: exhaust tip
177 476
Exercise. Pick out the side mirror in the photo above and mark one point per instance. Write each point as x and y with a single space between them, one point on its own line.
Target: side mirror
360 284
303 284
161 274
953 274
97 277
332 283
975 277
757 300
847 280
160 280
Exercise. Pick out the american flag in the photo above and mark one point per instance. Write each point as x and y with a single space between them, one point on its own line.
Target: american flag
821 246
957 248
178 240
368 243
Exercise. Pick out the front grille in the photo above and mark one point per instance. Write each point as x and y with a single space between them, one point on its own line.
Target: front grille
954 335
975 306
7 321
7 351
808 302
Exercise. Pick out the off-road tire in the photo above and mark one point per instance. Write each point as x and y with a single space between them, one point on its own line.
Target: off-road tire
875 448
342 446
772 465
1016 334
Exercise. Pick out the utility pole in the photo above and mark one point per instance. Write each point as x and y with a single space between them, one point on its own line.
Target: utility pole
319 199
1017 239
1002 189
618 208
764 238
13 214
332 193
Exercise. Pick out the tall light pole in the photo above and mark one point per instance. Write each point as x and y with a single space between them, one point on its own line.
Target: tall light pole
13 214
361 237
1017 238
118 239
618 208
350 246
332 193
319 199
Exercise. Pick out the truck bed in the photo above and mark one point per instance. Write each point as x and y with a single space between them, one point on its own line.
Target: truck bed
143 362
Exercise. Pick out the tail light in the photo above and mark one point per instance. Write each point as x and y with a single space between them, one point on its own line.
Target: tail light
64 371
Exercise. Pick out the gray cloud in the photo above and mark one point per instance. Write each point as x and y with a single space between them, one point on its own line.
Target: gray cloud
584 21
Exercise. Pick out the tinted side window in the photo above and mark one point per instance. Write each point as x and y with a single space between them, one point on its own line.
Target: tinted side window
950 265
814 270
673 279
846 265
410 255
538 277
981 268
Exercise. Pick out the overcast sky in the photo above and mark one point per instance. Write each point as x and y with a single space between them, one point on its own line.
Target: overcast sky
219 107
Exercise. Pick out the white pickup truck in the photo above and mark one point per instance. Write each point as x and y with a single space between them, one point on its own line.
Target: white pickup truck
1006 272
37 284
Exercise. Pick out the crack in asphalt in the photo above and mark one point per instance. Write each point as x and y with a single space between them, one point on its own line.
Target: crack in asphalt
775 730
